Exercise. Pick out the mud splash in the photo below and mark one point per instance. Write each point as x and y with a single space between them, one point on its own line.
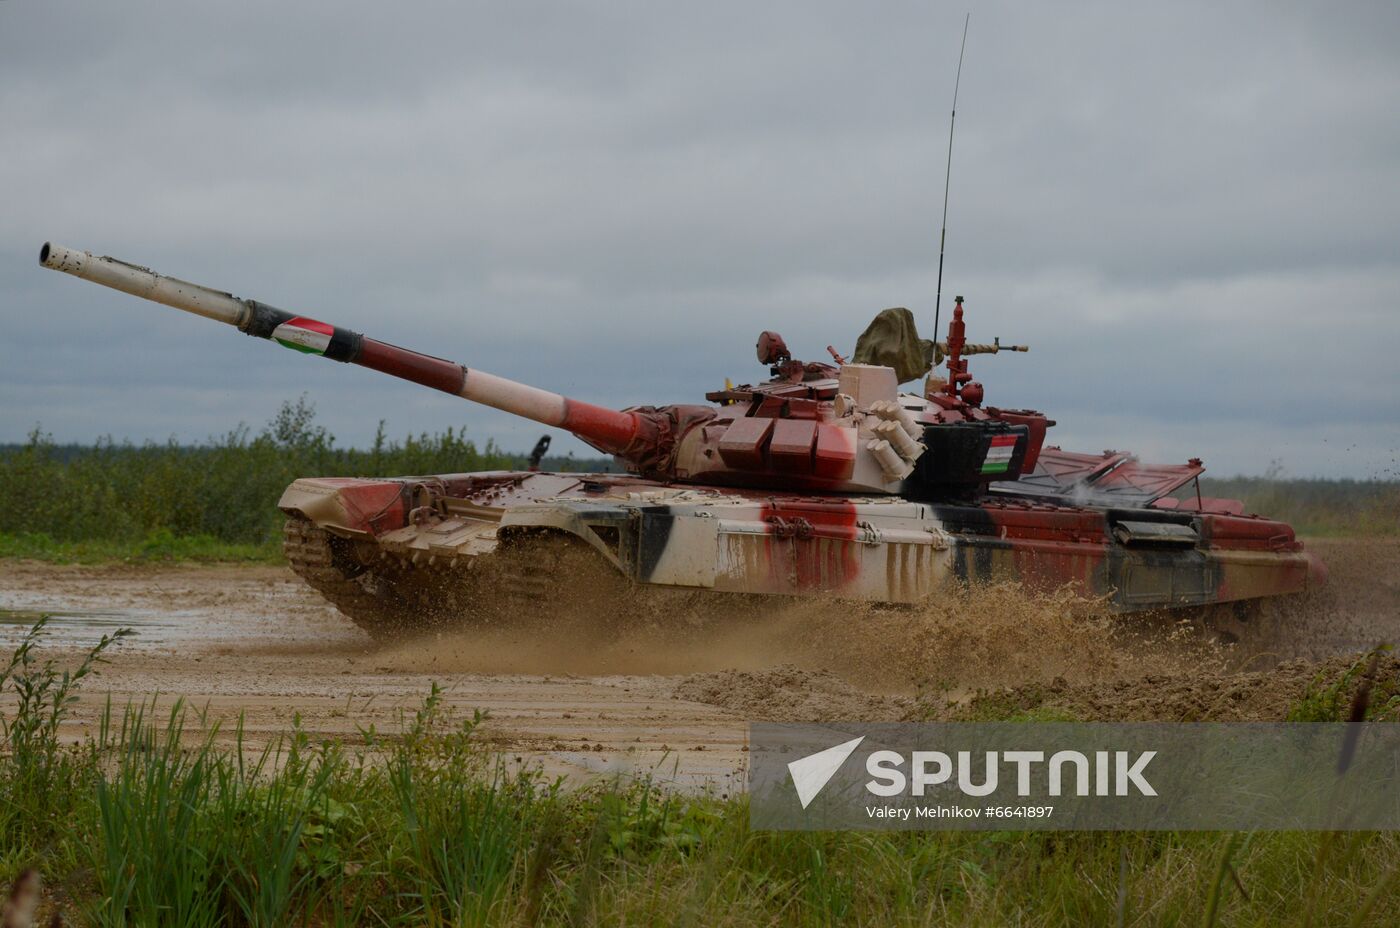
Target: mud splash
1358 609
990 636
1062 654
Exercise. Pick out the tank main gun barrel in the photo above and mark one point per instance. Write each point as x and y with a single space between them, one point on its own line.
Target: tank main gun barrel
609 430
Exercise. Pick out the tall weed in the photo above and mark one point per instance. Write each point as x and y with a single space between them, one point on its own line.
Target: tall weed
39 777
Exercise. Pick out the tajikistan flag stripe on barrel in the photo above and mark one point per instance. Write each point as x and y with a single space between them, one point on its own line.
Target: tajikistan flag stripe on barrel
998 459
305 335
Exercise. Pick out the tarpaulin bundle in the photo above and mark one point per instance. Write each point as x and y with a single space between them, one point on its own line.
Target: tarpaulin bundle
892 340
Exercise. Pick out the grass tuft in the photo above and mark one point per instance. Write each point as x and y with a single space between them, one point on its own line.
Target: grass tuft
1357 695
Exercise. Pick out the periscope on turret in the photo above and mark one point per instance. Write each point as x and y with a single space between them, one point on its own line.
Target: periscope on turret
825 478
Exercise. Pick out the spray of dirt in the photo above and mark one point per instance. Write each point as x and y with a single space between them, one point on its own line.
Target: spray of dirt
1357 609
988 637
821 657
974 653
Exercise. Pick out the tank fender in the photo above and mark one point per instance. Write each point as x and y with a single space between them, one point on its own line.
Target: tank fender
648 544
604 528
348 506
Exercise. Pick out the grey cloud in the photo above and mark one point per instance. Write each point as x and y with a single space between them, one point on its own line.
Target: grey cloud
1190 212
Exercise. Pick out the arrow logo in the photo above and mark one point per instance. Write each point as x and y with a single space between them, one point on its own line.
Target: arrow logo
811 773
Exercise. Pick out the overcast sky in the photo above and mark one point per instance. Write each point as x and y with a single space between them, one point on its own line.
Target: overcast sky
1191 213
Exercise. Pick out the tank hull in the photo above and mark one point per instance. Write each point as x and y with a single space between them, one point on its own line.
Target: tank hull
881 549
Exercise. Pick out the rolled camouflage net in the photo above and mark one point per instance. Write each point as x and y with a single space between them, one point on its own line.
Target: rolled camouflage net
892 340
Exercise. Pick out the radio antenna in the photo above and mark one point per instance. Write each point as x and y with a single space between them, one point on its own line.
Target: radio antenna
947 177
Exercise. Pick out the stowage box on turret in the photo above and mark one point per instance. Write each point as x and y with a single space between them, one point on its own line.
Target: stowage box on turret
823 479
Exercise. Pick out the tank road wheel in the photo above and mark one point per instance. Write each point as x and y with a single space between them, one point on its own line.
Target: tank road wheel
549 579
323 562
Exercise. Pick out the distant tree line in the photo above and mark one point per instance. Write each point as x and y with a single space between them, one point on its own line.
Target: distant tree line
225 489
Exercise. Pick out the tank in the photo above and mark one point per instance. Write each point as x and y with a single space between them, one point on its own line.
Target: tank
824 478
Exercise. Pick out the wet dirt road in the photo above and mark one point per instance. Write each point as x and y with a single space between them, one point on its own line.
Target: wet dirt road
255 641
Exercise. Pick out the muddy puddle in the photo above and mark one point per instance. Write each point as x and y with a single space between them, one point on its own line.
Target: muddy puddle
80 629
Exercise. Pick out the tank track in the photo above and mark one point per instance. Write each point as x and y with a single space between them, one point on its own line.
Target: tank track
396 597
530 570
313 555
555 581
545 581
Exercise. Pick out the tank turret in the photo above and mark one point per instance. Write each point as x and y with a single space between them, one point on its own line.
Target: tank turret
830 427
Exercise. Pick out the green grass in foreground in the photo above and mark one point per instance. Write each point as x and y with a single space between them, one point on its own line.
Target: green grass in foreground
156 819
